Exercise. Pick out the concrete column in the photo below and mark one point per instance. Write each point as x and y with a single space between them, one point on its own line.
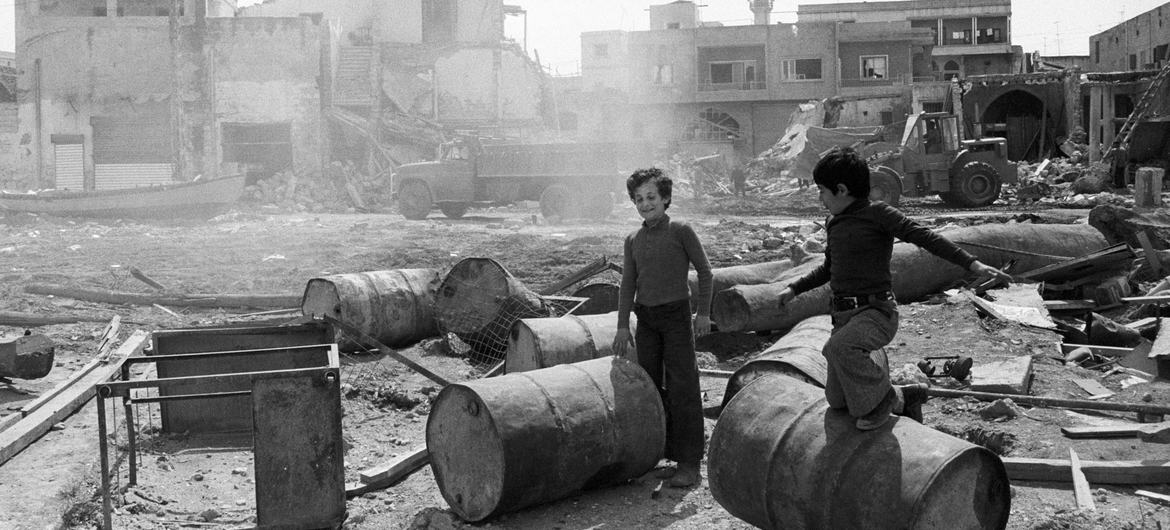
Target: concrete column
1095 92
1108 115
1147 187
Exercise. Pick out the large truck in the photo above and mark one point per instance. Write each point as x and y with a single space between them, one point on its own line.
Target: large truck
569 179
933 159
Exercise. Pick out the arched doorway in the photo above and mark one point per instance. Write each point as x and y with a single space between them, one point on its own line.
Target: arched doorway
1021 118
951 70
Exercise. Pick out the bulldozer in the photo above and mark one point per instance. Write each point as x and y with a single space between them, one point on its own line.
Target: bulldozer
934 159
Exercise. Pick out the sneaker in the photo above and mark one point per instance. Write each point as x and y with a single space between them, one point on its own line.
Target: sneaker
880 414
913 396
686 476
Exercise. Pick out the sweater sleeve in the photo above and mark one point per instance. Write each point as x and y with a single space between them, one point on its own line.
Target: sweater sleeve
908 230
698 258
629 283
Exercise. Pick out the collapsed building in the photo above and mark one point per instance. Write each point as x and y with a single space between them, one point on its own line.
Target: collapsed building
123 94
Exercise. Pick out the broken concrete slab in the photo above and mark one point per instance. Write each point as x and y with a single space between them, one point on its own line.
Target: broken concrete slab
1013 376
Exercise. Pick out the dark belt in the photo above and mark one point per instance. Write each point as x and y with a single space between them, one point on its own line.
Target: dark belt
848 303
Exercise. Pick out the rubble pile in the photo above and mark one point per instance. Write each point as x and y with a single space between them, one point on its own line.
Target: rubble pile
340 188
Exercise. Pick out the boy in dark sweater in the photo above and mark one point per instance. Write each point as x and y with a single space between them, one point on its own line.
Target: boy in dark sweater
654 286
857 268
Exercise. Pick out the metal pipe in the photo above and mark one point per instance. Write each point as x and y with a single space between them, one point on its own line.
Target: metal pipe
1052 402
105 461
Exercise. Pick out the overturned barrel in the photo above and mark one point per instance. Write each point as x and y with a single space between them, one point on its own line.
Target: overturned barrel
819 471
796 354
542 342
508 442
393 306
479 300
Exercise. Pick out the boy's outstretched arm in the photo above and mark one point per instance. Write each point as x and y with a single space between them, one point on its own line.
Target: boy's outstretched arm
987 272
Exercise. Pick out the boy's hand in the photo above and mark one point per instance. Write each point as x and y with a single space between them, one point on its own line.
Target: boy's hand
621 340
702 325
786 296
987 272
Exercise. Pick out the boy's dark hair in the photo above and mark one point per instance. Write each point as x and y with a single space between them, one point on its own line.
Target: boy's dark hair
843 165
652 174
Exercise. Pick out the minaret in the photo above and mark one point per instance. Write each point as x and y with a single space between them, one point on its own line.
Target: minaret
763 11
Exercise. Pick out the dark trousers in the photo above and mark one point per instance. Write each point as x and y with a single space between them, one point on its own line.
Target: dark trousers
859 374
665 341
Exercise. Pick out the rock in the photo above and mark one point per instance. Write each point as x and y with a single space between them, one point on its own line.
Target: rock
773 243
198 477
1000 408
1091 184
243 472
209 515
435 519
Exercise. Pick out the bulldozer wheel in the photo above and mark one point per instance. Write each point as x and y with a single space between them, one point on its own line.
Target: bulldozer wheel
414 200
454 210
976 184
555 201
885 186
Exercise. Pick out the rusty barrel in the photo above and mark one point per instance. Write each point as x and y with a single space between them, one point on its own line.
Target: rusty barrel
796 354
504 443
780 458
542 342
602 298
393 306
479 300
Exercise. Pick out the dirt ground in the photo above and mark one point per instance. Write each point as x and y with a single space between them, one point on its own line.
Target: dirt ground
185 481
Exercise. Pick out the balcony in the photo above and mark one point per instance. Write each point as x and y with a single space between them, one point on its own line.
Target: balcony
739 86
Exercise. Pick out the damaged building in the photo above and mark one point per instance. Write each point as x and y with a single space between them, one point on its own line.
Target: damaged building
731 89
116 94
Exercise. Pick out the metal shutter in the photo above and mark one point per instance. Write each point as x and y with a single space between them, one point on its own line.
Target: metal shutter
68 159
130 151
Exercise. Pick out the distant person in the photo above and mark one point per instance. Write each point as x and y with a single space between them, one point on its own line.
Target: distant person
857 268
654 285
739 181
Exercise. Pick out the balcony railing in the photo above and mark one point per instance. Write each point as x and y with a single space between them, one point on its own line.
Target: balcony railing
742 85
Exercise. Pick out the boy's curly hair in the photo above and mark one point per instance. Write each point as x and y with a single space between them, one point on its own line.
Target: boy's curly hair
661 181
843 165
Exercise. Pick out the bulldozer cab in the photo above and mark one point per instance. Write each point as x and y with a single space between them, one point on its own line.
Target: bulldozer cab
931 133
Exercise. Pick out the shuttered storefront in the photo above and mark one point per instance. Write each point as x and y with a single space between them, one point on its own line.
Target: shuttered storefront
69 161
132 151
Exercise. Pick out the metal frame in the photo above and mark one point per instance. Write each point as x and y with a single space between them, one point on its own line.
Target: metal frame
330 374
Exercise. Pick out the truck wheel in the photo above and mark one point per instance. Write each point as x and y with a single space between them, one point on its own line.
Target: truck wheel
414 200
599 205
885 186
555 201
976 184
454 210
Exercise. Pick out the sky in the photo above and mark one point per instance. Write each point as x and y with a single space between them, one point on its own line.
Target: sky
1052 27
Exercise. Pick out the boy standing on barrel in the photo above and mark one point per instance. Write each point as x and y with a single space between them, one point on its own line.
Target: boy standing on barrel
654 284
864 312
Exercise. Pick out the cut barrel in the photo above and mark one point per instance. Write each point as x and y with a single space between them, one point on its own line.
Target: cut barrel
479 300
504 443
393 306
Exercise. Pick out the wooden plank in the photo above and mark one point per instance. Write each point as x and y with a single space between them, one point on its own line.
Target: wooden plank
1070 305
1096 390
1097 472
397 468
1161 347
1164 499
1149 253
1100 431
1103 259
1158 299
1081 491
26 431
716 373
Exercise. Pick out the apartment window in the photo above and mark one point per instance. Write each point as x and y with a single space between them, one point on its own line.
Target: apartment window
1132 62
662 74
1097 52
989 36
673 25
874 67
800 69
730 72
601 50
933 106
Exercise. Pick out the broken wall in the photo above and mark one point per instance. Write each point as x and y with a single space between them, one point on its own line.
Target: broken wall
266 72
78 69
476 85
397 21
